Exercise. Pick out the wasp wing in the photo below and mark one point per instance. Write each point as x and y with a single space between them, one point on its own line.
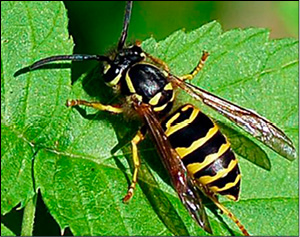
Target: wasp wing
250 121
181 180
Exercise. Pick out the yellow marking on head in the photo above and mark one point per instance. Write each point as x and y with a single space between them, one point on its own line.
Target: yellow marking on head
168 87
208 179
195 167
129 83
178 126
155 99
227 186
184 151
115 81
106 68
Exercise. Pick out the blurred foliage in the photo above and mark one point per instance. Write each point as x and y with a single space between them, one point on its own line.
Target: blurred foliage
95 26
289 13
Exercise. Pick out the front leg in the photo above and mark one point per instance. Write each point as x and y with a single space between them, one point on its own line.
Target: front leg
115 109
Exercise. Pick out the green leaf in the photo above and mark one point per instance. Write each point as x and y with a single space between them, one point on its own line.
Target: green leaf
29 120
82 183
5 231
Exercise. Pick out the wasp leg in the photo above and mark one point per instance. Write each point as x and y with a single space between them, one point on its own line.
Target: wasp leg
232 217
95 105
136 161
229 214
197 69
212 196
159 62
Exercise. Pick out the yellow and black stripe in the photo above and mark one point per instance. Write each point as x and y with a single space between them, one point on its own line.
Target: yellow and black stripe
204 150
150 83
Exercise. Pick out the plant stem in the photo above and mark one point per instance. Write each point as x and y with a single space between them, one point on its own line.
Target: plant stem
28 217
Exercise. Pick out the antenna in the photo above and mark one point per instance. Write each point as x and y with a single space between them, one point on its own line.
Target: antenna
74 57
125 25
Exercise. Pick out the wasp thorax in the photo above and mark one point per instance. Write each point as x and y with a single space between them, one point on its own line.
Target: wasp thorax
120 63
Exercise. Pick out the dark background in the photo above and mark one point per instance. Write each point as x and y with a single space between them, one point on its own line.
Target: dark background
96 26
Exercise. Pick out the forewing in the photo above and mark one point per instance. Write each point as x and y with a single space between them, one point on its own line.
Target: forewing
181 180
250 121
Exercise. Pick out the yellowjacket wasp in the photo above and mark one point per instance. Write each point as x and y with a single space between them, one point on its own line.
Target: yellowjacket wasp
193 150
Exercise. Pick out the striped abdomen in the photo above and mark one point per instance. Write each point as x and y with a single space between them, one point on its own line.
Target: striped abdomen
204 150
